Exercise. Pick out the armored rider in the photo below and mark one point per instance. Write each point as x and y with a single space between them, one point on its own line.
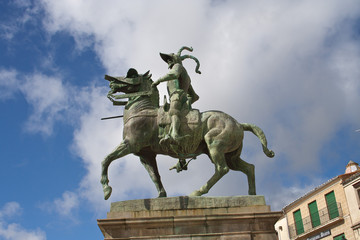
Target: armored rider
179 88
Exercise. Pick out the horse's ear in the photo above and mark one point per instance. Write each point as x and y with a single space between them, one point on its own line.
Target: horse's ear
146 73
132 73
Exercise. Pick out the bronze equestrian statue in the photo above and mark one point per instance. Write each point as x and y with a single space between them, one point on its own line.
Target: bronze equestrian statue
150 129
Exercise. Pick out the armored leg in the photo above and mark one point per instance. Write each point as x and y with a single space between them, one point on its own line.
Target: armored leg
175 122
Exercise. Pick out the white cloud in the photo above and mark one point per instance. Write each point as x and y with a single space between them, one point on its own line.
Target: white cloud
66 205
11 25
14 231
49 98
10 209
23 3
8 83
285 195
279 64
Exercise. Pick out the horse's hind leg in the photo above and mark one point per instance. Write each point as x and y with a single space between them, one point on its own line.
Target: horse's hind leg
218 158
149 162
237 164
120 151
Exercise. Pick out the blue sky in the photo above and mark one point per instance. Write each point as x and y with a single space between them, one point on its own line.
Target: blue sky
292 68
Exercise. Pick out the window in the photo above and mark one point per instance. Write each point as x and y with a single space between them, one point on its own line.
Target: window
298 222
340 237
314 214
332 205
357 189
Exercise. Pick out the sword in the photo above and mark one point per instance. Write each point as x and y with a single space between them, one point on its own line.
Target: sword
105 118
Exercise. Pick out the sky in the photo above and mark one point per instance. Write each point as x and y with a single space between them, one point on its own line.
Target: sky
290 67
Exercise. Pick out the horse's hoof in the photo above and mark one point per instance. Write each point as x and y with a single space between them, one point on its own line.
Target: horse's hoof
195 193
107 192
162 194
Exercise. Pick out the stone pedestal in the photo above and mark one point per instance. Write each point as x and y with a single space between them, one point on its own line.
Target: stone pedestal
210 218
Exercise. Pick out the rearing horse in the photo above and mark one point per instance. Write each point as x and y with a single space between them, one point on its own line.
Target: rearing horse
218 135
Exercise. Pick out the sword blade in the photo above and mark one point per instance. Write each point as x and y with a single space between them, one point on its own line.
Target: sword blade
105 118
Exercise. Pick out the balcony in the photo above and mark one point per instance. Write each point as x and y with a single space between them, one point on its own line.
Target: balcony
326 217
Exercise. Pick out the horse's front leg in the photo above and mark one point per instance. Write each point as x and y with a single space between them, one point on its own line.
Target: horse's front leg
120 151
149 162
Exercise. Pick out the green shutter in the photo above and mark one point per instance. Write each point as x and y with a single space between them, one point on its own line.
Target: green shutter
331 204
298 222
314 214
339 237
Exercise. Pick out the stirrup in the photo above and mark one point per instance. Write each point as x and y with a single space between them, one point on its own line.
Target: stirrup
180 166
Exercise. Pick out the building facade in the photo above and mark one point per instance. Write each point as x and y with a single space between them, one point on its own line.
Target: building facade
352 193
330 211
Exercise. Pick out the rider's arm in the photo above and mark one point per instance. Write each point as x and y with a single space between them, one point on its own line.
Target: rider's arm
173 74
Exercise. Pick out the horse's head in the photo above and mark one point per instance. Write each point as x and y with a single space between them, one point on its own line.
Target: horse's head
133 84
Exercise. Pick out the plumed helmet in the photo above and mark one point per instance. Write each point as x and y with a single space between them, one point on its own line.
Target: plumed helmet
177 58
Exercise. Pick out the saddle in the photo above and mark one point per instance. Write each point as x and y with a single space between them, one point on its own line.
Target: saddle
191 117
190 125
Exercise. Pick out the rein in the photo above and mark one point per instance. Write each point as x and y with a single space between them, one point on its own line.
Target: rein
129 95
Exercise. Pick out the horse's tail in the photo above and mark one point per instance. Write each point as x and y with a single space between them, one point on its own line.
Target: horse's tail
260 134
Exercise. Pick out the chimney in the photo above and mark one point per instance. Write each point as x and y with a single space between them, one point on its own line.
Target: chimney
352 167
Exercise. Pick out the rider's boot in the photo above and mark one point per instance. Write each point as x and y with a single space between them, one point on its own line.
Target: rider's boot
174 129
175 135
